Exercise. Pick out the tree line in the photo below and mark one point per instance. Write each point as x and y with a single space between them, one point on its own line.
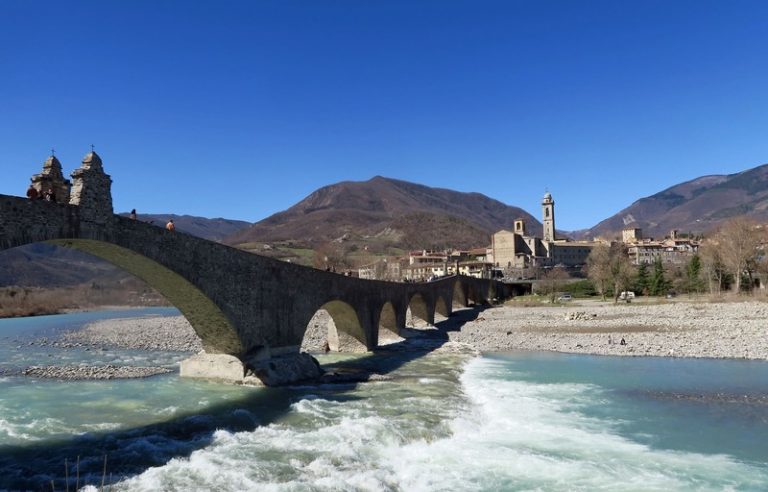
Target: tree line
728 260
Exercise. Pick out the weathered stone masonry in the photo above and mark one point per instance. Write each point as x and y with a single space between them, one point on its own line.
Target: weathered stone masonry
248 306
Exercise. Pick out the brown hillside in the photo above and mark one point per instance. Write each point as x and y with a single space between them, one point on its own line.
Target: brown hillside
696 206
388 212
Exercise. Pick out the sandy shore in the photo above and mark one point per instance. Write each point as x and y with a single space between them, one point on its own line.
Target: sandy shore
679 329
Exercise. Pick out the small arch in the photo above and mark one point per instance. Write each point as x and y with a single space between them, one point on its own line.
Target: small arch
389 331
442 311
418 312
459 296
335 327
492 294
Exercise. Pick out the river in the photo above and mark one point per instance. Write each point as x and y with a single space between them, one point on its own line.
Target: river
515 421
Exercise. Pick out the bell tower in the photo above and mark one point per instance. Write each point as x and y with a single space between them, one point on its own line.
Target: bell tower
52 179
548 217
92 190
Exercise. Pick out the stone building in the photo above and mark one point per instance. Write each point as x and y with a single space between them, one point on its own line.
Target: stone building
517 250
631 235
673 249
51 178
92 189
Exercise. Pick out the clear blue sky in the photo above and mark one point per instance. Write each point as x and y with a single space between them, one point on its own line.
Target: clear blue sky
239 109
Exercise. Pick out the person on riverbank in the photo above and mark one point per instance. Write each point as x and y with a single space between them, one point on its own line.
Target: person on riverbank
170 226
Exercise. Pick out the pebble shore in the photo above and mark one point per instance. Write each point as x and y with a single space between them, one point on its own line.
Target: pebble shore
673 329
668 329
74 373
165 333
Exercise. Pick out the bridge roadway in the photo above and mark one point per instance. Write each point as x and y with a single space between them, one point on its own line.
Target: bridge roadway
241 304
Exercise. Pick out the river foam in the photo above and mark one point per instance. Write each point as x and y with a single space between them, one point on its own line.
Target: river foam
508 434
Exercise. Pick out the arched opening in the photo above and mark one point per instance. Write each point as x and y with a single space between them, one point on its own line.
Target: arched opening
335 327
211 325
417 315
389 332
492 296
459 297
473 298
44 279
441 310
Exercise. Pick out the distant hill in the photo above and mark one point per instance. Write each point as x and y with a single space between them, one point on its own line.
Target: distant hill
45 265
696 206
212 229
384 212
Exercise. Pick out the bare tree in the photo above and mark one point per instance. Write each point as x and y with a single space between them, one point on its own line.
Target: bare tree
552 282
737 242
712 264
599 268
622 271
329 256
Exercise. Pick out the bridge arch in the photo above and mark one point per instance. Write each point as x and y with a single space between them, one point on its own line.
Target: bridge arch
388 318
214 329
442 307
459 295
344 332
420 309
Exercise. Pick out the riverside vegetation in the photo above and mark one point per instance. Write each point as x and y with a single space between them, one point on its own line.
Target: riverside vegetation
38 301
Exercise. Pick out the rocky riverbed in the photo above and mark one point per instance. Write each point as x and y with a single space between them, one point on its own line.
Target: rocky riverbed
79 372
166 333
162 333
678 329
671 329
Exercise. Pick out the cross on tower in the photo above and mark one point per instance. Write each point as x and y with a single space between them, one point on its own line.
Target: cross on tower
91 147
53 151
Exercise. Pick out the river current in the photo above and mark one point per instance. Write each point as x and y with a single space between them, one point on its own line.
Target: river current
516 421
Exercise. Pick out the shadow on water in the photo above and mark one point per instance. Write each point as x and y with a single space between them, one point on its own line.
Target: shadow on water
128 452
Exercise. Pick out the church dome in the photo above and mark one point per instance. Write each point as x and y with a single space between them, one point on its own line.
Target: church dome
547 196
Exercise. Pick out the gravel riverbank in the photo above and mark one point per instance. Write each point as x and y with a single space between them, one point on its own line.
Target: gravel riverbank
161 333
167 333
679 329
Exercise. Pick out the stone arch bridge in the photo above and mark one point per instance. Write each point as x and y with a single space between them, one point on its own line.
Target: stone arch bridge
249 307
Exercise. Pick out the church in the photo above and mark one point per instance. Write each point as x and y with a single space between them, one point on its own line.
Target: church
517 249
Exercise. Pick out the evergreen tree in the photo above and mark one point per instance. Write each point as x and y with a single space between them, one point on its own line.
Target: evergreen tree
659 284
693 274
642 281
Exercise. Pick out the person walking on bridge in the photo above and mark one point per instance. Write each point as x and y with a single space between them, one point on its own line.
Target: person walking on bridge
170 225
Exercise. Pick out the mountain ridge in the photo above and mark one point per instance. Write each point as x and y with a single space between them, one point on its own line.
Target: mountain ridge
697 206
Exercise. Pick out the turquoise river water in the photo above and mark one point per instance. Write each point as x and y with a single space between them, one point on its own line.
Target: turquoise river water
515 421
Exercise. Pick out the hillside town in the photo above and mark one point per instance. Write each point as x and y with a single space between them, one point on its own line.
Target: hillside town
731 258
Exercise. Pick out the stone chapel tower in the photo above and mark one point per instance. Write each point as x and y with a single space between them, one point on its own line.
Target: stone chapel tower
92 190
548 217
52 179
